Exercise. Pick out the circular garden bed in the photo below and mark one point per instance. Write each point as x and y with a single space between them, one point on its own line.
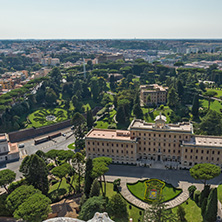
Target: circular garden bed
149 190
45 117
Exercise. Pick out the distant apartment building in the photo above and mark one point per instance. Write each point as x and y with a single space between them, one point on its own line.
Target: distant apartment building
109 57
50 61
8 151
172 145
153 94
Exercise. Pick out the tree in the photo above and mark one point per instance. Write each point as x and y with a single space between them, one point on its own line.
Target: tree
6 177
35 171
180 88
95 88
204 172
211 208
211 124
117 208
195 106
137 111
89 118
95 189
191 190
79 124
100 167
90 207
77 104
61 171
36 208
19 195
120 115
50 96
181 214
88 177
172 98
157 212
78 165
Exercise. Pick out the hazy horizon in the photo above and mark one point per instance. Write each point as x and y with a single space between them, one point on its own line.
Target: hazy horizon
124 19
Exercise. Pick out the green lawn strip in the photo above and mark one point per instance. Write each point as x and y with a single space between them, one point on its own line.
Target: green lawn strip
214 105
71 146
138 190
219 192
193 212
219 92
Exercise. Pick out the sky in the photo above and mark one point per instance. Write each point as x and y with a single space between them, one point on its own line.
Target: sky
110 19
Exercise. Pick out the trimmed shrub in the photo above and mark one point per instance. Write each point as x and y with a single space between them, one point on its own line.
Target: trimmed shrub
191 190
197 197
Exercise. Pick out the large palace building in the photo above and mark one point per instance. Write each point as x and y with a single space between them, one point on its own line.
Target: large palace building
172 145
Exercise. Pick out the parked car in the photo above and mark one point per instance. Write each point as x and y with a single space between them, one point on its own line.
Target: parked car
21 145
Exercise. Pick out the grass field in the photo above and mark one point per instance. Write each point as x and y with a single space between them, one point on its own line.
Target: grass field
169 192
193 212
71 146
214 105
219 92
106 121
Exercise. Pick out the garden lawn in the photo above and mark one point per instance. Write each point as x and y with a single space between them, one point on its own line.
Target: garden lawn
106 121
219 92
219 192
150 117
193 212
71 146
134 212
138 190
38 118
214 105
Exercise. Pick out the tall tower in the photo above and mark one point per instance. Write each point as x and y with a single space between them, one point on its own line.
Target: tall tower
84 68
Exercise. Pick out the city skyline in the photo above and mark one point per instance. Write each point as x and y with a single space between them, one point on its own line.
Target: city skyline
111 20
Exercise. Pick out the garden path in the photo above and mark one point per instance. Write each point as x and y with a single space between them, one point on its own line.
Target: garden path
182 197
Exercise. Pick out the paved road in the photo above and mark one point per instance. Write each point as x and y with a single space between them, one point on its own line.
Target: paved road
170 176
60 143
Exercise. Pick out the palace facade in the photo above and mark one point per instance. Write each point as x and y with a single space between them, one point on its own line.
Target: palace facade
173 145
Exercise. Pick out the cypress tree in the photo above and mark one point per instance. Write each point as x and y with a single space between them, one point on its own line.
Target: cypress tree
95 189
89 118
195 107
203 206
181 214
120 115
137 111
88 177
211 208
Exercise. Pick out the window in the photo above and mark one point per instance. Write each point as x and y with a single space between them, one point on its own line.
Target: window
112 151
139 148
212 158
121 145
98 149
131 146
102 144
112 144
169 144
131 152
89 143
89 149
154 149
178 151
144 134
154 144
126 146
206 158
93 143
144 143
117 145
212 152
190 157
139 134
185 150
154 134
185 156
144 149
196 151
201 158
159 135
127 152
207 151
218 152
159 144
98 144
191 151
217 158
117 151
149 149
107 151
173 151
168 151
196 157
93 149
164 150
202 151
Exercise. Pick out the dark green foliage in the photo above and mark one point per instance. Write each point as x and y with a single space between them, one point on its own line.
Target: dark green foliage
16 184
203 206
181 214
19 195
120 115
137 111
88 177
35 171
172 98
36 208
91 206
204 172
117 208
211 124
191 190
204 193
4 212
180 89
95 189
6 177
116 185
89 119
211 208
197 197
195 106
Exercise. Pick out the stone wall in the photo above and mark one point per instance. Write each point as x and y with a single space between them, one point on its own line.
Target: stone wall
35 132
